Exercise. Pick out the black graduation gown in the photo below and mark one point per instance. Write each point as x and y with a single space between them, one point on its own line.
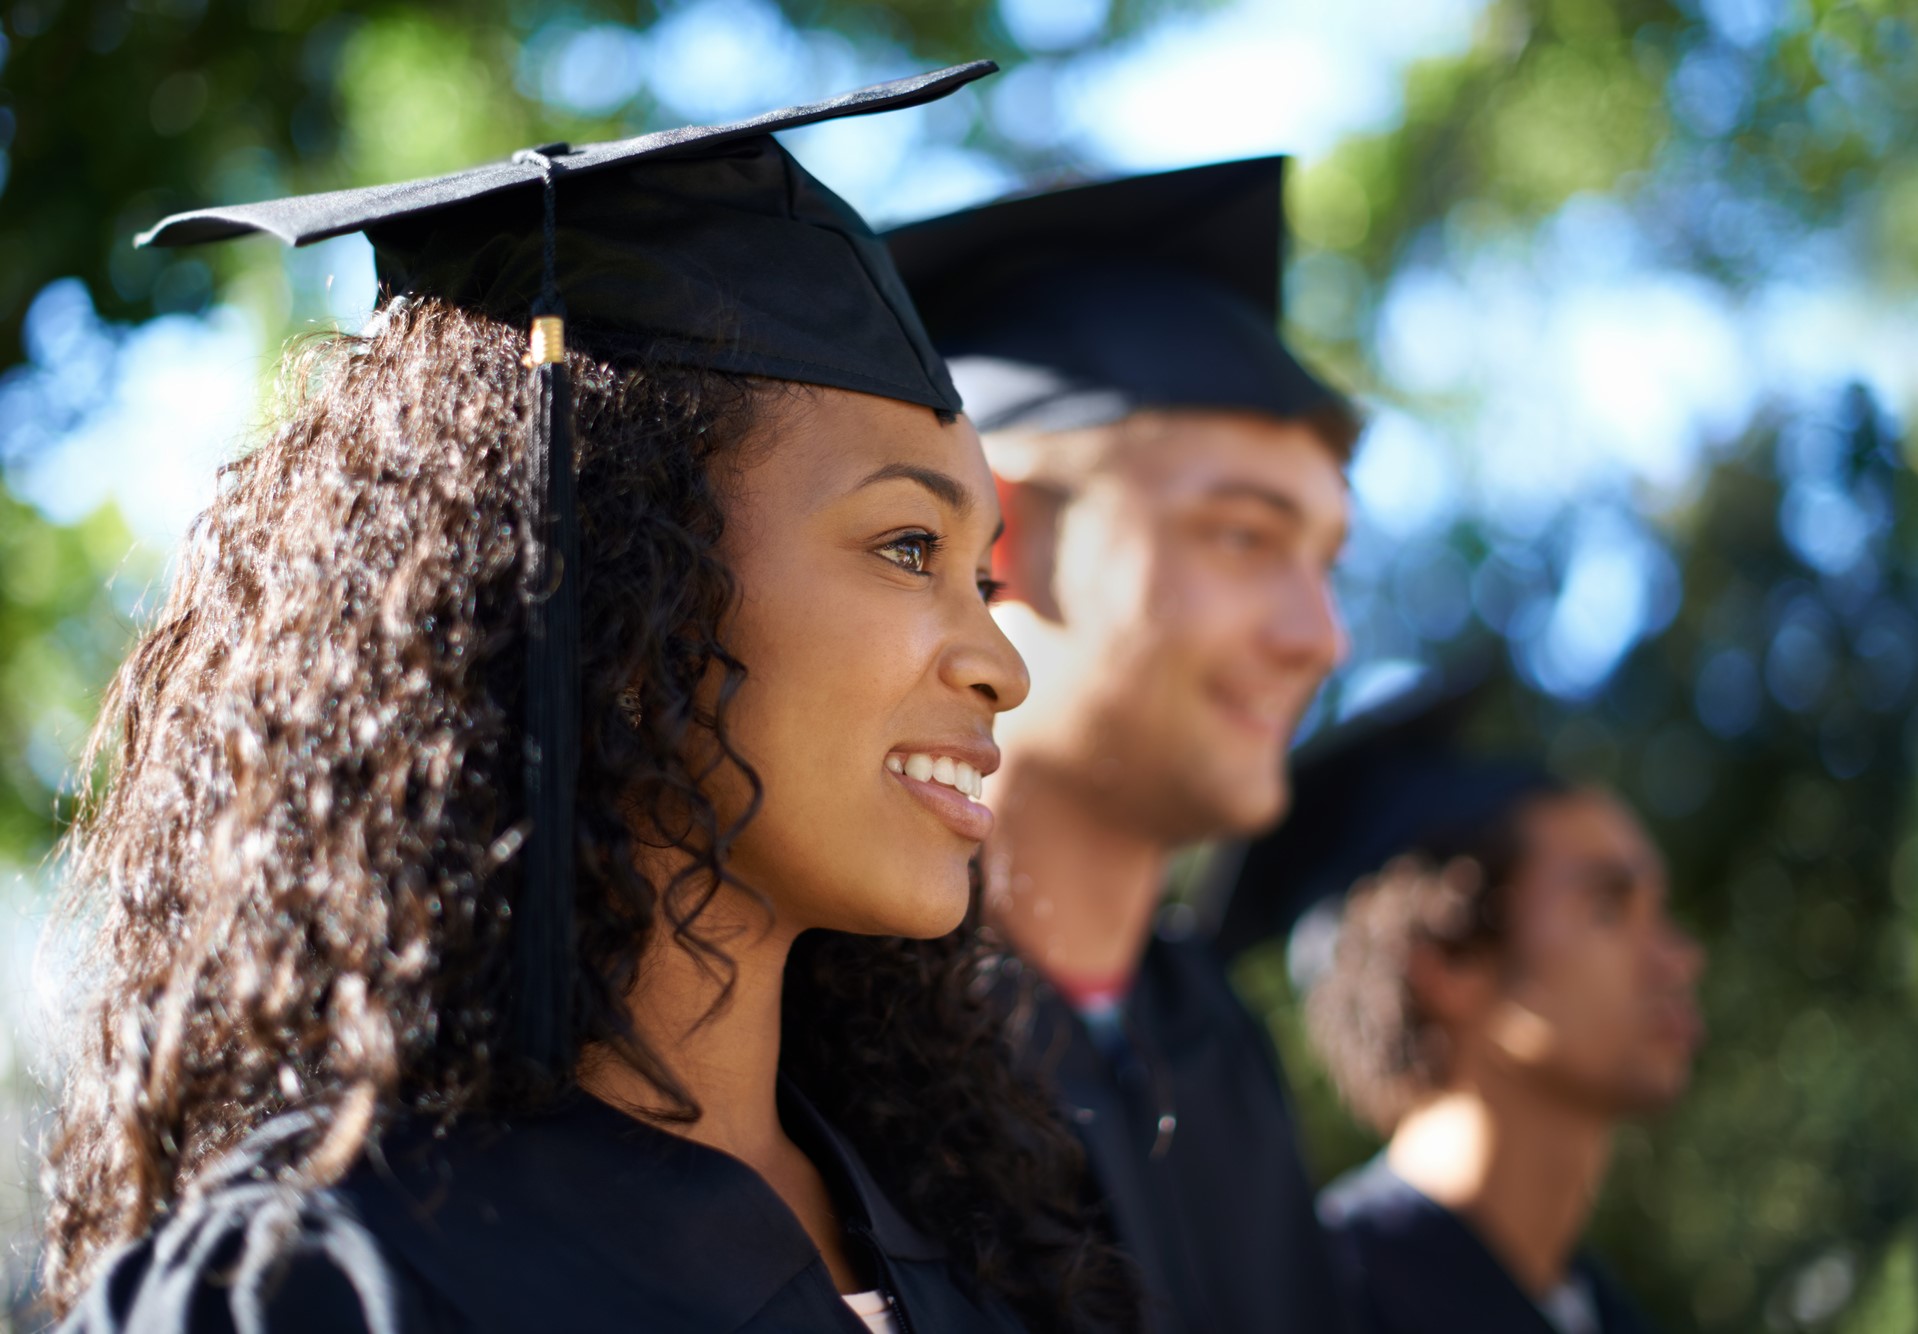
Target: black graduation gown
585 1220
1191 1140
1412 1266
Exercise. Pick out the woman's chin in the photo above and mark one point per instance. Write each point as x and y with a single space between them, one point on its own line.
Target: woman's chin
952 912
937 908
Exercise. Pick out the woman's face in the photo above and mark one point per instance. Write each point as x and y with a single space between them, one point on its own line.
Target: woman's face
860 530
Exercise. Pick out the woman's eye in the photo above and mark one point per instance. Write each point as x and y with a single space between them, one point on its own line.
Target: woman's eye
990 589
912 553
1611 903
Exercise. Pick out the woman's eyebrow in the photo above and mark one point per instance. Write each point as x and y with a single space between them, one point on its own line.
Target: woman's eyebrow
956 495
1609 875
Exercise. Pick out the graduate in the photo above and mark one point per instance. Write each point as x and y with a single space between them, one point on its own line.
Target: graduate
1505 987
524 890
1175 499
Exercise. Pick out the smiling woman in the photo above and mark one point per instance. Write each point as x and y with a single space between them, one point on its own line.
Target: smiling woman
863 546
320 875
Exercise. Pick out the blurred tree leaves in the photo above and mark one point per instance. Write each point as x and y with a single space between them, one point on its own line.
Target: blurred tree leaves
1716 121
417 96
61 635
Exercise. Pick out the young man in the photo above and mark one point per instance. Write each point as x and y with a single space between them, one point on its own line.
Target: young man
1506 986
1173 486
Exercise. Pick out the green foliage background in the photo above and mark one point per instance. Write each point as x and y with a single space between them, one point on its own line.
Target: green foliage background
1784 1193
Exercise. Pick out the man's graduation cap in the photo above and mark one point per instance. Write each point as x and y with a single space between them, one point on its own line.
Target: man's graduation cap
1078 307
706 246
1390 781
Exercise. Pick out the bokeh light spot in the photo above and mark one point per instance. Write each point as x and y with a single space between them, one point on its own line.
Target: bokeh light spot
1053 25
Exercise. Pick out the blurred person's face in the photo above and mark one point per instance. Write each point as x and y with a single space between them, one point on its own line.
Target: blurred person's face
1176 610
1595 989
860 530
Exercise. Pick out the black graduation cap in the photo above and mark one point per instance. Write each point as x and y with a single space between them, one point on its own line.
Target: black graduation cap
707 246
1390 781
1077 307
708 243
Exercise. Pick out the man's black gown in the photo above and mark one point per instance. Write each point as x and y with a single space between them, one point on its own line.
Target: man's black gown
585 1220
1412 1266
1184 1115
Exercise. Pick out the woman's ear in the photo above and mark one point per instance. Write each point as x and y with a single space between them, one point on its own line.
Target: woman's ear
1456 989
1023 558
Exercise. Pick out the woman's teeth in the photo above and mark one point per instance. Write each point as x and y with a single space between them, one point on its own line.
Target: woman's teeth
955 774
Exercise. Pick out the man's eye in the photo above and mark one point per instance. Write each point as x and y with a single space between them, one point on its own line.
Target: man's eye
1239 538
912 552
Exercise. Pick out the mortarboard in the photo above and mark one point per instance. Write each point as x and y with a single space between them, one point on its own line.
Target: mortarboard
1077 307
706 246
1392 780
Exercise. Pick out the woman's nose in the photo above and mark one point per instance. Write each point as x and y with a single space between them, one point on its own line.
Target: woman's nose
984 661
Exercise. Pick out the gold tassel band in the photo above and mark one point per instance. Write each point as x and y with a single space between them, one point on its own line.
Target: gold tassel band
549 341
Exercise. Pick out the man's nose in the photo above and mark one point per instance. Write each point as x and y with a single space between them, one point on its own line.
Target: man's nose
1304 622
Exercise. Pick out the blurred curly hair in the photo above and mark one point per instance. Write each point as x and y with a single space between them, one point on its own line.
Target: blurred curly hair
1363 1016
295 882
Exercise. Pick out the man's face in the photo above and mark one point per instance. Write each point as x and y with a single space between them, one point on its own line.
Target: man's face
1177 615
1597 996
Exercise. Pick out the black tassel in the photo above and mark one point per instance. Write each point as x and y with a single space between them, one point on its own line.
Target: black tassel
543 945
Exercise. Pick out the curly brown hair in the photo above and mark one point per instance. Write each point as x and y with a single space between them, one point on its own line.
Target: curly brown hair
1449 892
297 876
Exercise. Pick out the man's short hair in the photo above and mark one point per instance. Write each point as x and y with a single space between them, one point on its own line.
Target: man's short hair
1338 425
1452 893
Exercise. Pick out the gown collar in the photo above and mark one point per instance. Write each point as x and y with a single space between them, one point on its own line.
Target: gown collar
647 1219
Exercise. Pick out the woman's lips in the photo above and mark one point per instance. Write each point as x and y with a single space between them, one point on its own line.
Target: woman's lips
1680 1023
959 813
